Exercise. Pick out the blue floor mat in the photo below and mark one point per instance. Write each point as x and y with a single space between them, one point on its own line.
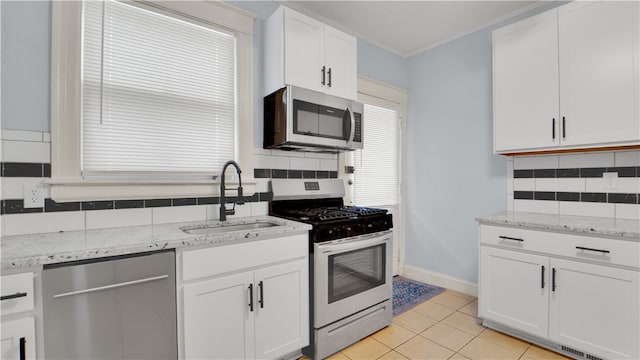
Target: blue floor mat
409 293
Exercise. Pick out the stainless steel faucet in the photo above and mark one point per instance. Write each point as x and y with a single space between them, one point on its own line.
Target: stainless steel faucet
240 199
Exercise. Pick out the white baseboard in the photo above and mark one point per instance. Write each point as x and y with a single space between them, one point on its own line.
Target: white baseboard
437 279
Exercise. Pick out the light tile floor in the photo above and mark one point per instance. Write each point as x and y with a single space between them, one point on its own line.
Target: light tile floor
444 327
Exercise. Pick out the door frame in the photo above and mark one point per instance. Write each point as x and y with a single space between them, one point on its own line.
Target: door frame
391 96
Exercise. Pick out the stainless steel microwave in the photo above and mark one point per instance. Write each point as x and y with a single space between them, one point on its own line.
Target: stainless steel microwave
306 120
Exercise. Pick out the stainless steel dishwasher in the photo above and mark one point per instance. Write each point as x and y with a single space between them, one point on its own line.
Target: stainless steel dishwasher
117 308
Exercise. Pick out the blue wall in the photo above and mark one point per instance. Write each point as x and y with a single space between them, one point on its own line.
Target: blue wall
452 175
26 43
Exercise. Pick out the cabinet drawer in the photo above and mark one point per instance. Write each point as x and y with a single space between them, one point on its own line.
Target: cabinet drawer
603 250
17 293
222 259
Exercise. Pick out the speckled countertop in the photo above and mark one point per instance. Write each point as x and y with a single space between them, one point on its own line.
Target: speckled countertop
40 249
627 229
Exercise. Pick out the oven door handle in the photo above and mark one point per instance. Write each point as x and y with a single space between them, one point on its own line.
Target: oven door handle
353 245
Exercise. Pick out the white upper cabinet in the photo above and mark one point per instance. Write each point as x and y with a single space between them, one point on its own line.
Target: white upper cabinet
599 72
340 58
525 84
304 52
568 79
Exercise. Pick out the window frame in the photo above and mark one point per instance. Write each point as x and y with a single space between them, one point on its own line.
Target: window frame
394 97
67 183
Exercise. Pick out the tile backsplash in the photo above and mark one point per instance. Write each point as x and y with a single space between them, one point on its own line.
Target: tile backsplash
576 184
26 160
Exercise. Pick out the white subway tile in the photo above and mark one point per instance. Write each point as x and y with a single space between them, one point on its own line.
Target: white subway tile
270 162
46 137
290 154
26 151
21 135
560 184
262 185
101 219
625 185
536 162
241 211
259 208
587 209
213 212
628 211
12 187
587 160
510 167
261 151
538 206
509 202
321 156
510 186
19 224
305 164
524 184
163 215
627 158
329 165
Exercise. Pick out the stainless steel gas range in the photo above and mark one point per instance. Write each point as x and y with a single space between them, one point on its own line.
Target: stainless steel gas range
350 272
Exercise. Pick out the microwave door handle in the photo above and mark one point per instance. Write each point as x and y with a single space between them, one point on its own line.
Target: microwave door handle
352 129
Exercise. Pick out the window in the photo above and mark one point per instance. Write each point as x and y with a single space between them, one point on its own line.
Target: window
148 98
158 93
377 167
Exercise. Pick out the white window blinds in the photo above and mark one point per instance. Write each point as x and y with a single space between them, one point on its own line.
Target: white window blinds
159 93
377 166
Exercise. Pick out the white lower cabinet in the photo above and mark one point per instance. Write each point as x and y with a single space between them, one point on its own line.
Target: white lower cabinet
514 274
18 339
279 309
595 309
250 301
217 323
579 294
18 312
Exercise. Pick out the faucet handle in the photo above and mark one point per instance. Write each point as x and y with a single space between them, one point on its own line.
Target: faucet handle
240 200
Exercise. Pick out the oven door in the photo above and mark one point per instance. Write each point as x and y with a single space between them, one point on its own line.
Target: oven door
351 275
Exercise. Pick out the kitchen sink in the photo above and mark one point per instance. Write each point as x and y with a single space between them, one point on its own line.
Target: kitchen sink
222 228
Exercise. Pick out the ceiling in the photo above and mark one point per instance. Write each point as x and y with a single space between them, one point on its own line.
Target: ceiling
410 27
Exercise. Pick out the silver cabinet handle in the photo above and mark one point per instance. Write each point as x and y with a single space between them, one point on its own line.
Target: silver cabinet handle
112 286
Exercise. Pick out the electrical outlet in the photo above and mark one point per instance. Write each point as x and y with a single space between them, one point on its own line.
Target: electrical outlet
610 180
32 196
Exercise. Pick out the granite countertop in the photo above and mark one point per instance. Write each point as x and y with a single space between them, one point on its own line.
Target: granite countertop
626 229
48 248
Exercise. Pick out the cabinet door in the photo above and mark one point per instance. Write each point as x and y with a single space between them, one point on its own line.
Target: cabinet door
18 337
595 309
599 62
218 323
303 51
340 58
282 317
525 84
514 289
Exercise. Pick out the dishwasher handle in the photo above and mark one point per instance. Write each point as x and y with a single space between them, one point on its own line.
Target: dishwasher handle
112 286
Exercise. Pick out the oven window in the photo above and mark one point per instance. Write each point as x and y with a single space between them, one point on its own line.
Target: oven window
356 271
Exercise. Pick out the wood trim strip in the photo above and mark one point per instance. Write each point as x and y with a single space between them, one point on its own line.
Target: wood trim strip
565 151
